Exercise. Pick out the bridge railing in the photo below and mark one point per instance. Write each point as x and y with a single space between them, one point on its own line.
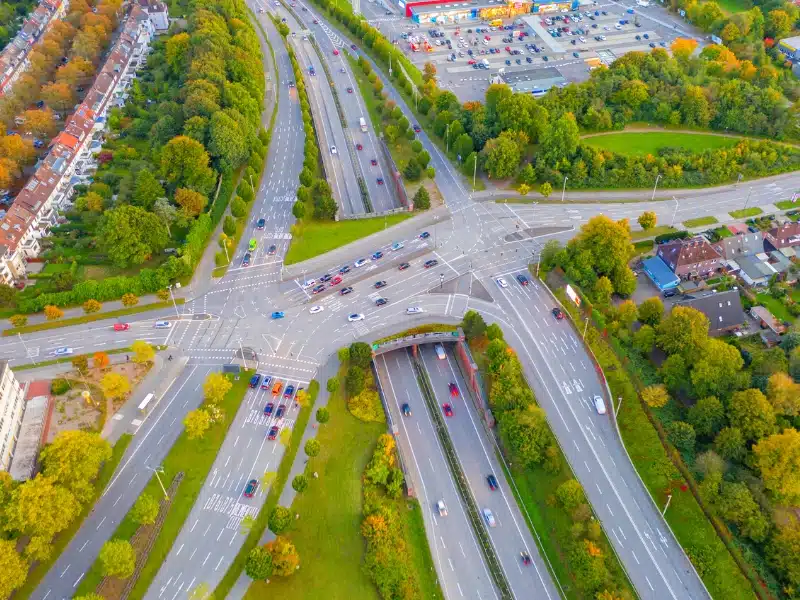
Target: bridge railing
457 335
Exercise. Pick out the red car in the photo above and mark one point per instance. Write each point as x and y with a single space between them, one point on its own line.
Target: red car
557 313
359 147
417 129
335 52
349 90
448 410
380 180
336 281
273 432
121 326
508 48
373 162
453 390
250 488
471 62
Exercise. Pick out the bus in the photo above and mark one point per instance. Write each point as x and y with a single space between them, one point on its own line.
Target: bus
145 403
363 123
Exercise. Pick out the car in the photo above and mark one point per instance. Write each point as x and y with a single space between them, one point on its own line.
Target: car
599 405
352 46
269 408
246 259
333 149
377 255
360 262
278 314
359 147
121 326
379 180
344 269
291 84
669 293
318 289
261 223
250 488
381 301
440 353
489 516
652 44
162 325
417 129
576 55
346 290
273 432
646 36
431 263
316 309
557 313
638 37
406 410
528 59
414 310
508 62
545 59
266 382
448 410
379 284
355 317
272 249
335 52
316 21
336 281
373 162
326 278
526 558
472 62
442 508
252 245
522 279
492 481
397 246
453 389
502 282
280 411
403 266
255 380
349 90
287 394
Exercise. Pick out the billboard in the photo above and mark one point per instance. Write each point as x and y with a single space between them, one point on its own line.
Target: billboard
573 296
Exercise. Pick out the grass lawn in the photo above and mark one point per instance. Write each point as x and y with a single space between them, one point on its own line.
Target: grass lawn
92 317
734 6
746 212
640 144
651 233
194 458
786 204
775 306
699 222
723 232
318 237
39 570
643 247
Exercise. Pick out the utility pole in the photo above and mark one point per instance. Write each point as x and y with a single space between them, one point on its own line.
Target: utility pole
447 139
474 173
658 176
666 506
564 189
175 304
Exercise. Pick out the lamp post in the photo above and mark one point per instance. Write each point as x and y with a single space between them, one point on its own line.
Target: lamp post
28 354
675 212
158 470
447 139
241 350
564 188
747 200
474 172
666 506
658 176
586 323
175 304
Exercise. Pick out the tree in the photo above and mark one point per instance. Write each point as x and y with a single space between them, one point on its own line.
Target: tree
192 203
302 397
259 564
73 460
18 320
332 385
40 123
145 510
570 494
215 387
602 248
142 351
285 559
184 163
360 354
130 299
644 339
682 48
729 443
312 447
323 415
602 291
651 311
58 96
428 72
684 332
299 210
354 380
166 212
778 24
674 373
783 552
91 306
707 416
197 423
682 435
528 433
81 363
100 360
777 457
13 567
546 189
655 396
784 394
736 504
422 199
115 385
53 313
473 324
300 483
502 154
752 413
238 208
560 140
130 235
117 559
279 519
717 372
647 220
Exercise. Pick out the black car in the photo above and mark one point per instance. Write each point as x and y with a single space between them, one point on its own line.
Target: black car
379 284
261 223
431 263
381 301
557 313
669 293
344 269
272 249
345 291
403 266
325 278
522 279
492 481
246 260
318 289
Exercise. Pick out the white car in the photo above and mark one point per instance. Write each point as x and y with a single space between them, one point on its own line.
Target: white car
309 283
162 325
414 310
599 405
316 309
487 514
333 149
397 246
502 282
360 262
355 317
63 351
442 508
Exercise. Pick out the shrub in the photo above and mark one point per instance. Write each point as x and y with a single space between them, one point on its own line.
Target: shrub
19 320
238 208
59 386
229 225
300 483
130 300
91 306
323 415
279 519
312 447
366 406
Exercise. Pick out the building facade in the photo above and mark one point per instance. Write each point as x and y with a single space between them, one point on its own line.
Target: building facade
12 407
691 258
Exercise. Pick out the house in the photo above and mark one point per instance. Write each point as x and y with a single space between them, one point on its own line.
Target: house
739 245
157 12
660 274
767 320
12 406
723 309
757 270
787 234
691 258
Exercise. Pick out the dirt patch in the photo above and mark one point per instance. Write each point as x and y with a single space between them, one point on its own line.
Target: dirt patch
433 191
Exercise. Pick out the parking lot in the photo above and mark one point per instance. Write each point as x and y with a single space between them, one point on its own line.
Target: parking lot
532 52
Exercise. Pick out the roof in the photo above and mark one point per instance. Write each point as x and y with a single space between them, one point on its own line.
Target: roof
723 309
660 273
735 228
786 231
741 244
66 139
678 253
763 313
792 43
30 436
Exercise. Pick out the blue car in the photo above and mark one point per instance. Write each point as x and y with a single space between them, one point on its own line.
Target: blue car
377 255
255 380
278 314
424 235
267 381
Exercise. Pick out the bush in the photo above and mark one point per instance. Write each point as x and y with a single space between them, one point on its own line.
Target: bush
312 447
366 406
332 385
323 415
354 381
238 208
91 306
279 519
130 300
59 386
422 199
300 483
570 494
19 320
229 225
682 435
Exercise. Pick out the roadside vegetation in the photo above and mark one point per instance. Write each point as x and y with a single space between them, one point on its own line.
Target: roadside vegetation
637 143
709 422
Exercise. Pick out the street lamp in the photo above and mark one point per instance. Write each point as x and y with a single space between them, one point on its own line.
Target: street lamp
564 188
750 191
666 506
586 325
175 304
658 176
158 470
28 354
675 212
441 280
739 178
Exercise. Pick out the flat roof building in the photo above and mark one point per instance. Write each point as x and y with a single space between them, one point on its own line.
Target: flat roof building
660 274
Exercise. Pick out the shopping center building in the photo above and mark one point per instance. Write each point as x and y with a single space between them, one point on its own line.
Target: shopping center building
444 12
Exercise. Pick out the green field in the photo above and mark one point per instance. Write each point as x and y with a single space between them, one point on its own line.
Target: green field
700 221
639 144
318 237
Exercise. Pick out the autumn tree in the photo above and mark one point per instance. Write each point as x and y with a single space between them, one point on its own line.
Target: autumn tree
142 351
115 385
428 72
130 299
683 332
40 123
570 494
215 387
53 313
279 519
259 564
13 567
91 306
777 457
81 363
100 360
76 72
197 423
719 370
750 411
783 394
73 460
145 510
192 203
647 220
285 559
682 48
18 320
655 396
58 96
117 559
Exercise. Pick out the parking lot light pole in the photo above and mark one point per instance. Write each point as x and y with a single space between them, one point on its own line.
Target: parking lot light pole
658 176
564 188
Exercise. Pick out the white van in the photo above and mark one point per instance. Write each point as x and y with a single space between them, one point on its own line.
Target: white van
600 405
440 353
162 325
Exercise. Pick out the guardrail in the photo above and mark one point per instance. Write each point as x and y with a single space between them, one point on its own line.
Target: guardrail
391 211
468 501
417 338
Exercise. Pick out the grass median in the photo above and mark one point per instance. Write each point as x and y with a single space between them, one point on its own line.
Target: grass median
66 359
40 569
786 205
100 316
746 212
699 222
195 459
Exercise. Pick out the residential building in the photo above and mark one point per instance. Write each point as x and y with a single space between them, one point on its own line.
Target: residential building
660 274
158 13
757 270
723 309
739 245
767 320
782 236
12 407
691 258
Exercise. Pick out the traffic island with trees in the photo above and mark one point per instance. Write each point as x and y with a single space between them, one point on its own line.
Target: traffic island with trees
710 423
554 504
